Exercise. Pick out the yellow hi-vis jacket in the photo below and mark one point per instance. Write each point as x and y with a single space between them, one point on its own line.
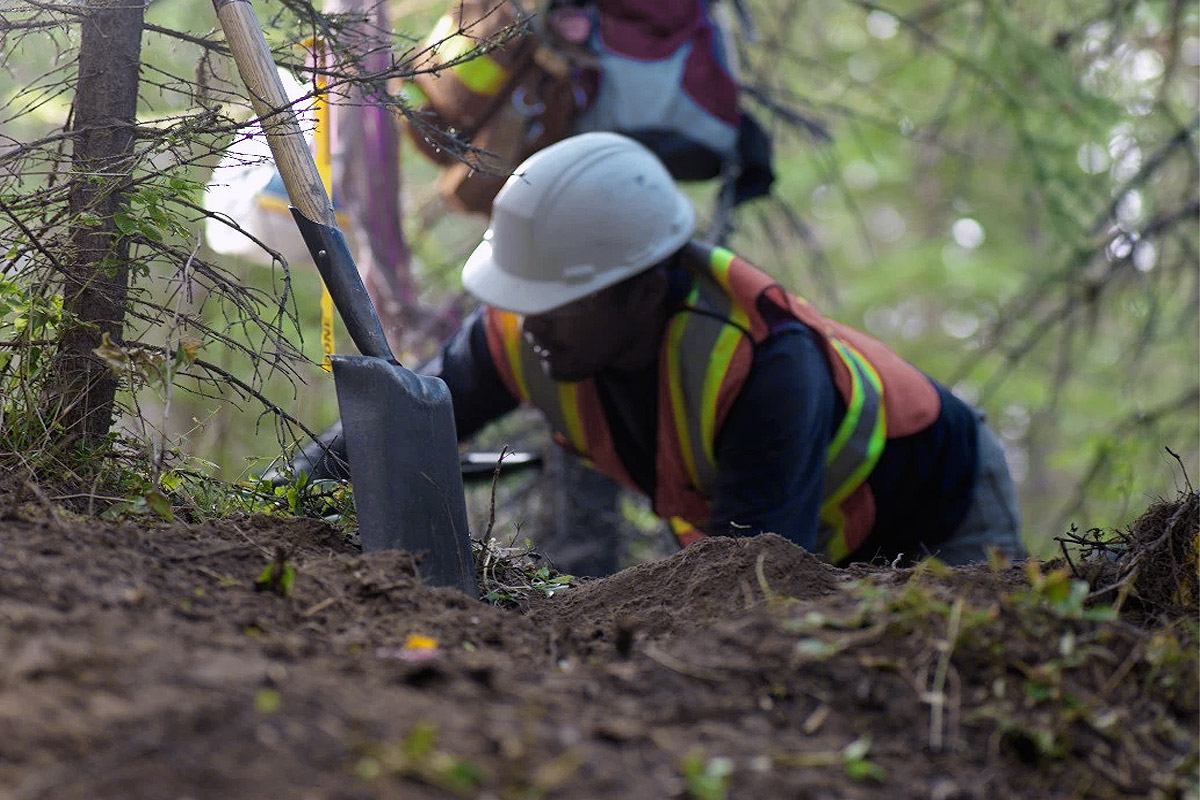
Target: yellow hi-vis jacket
704 360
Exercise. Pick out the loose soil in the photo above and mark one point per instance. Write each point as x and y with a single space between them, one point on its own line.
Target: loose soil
140 661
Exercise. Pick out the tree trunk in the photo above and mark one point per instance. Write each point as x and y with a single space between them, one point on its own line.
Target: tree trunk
97 273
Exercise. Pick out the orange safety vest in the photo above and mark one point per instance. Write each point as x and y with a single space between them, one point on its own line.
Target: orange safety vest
705 358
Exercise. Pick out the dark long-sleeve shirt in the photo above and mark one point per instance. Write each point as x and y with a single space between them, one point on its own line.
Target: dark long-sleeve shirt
771 449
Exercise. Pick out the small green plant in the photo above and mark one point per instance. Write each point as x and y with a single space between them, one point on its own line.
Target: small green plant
858 766
706 778
141 498
512 576
417 756
852 757
267 701
278 576
1058 590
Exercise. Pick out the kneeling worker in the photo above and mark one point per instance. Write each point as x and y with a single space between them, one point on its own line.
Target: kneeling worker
686 373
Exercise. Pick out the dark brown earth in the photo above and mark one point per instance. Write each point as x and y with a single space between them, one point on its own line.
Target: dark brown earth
139 661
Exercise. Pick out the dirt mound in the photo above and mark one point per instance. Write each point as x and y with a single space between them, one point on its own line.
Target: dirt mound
714 579
263 657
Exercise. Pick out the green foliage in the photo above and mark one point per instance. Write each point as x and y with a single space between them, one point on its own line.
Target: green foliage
141 497
706 778
418 756
1058 590
278 576
267 701
511 577
858 766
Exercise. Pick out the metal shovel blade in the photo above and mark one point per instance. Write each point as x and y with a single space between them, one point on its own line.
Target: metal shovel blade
407 496
399 426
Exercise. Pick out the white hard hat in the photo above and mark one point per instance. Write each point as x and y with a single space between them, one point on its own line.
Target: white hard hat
579 216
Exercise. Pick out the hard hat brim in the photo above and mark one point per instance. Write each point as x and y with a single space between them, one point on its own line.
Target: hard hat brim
483 278
487 282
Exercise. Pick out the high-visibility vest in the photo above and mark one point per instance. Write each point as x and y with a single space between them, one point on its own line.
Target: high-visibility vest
704 360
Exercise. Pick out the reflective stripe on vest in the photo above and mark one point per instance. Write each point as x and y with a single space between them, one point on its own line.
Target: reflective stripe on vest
559 401
854 450
694 384
856 445
481 74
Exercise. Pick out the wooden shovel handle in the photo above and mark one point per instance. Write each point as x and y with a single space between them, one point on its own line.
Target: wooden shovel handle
292 156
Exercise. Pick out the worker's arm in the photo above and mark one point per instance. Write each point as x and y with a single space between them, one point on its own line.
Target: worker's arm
465 364
771 448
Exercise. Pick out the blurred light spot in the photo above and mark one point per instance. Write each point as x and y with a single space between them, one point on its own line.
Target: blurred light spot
960 324
1129 208
1013 422
913 326
907 127
863 66
1145 66
967 392
822 199
1145 256
887 223
882 25
860 175
1121 246
1018 461
968 233
1092 158
1190 51
1121 141
881 321
954 257
1096 33
1142 102
1126 154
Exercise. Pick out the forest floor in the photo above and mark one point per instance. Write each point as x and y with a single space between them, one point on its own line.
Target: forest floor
141 661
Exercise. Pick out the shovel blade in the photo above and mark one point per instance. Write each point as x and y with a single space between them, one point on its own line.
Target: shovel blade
404 466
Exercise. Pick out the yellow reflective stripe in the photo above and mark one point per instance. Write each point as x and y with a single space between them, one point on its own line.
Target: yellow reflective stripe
675 389
568 401
412 95
831 512
680 525
853 410
511 330
481 74
835 548
719 260
722 354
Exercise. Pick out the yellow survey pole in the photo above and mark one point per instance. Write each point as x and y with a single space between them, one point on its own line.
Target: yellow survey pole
324 158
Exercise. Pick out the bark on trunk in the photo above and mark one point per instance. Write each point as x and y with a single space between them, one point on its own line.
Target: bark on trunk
96 283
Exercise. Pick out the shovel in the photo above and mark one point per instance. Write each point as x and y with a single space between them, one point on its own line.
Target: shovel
399 426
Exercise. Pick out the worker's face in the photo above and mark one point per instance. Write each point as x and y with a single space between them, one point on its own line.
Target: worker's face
610 329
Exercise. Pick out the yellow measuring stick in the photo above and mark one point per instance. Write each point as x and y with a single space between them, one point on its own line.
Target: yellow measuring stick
324 158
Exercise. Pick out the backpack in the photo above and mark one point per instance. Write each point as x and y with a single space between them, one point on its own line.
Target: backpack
655 70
